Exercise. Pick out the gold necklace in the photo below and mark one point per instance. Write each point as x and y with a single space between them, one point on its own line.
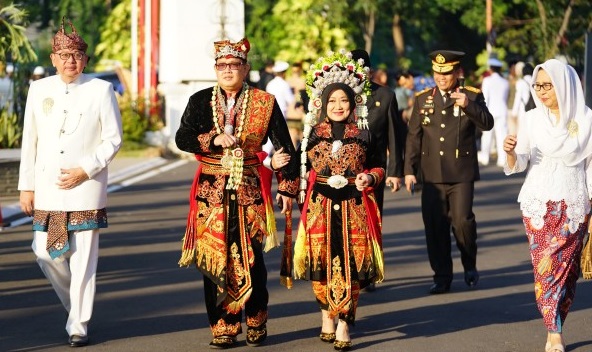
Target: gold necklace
217 107
232 159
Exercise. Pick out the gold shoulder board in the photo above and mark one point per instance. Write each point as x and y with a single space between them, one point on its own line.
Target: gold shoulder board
423 91
473 89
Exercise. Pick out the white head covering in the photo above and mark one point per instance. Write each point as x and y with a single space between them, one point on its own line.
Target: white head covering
39 71
493 62
280 66
570 140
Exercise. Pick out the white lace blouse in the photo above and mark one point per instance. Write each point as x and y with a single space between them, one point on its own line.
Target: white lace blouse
549 178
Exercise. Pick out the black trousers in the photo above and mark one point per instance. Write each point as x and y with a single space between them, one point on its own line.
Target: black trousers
222 320
445 206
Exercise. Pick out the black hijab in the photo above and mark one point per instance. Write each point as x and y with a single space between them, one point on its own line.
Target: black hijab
348 92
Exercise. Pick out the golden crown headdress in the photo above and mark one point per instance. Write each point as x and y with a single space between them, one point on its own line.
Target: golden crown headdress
225 48
337 67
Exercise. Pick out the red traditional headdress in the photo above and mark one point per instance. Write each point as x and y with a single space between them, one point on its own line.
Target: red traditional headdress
73 41
227 49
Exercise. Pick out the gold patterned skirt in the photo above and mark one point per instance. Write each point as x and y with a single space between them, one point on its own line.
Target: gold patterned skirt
336 250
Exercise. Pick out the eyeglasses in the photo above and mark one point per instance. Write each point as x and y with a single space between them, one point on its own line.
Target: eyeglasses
233 66
66 56
545 86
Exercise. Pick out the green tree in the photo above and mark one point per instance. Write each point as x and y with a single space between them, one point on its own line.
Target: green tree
15 46
116 36
88 17
13 41
296 30
542 29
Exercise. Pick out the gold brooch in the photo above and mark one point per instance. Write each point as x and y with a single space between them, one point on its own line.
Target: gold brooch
47 105
572 128
426 121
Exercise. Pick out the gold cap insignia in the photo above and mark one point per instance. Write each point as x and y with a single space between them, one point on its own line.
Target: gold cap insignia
440 59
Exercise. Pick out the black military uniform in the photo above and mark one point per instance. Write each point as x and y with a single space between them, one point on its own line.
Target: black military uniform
386 124
389 131
441 142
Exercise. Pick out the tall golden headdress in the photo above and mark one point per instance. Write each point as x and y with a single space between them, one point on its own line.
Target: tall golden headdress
337 67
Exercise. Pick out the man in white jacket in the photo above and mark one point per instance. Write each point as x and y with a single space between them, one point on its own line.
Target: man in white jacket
72 131
495 90
523 81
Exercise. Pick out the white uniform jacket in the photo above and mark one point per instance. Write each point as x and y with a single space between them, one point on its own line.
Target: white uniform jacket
66 126
495 91
282 92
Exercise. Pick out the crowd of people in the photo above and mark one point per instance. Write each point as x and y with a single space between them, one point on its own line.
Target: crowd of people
339 142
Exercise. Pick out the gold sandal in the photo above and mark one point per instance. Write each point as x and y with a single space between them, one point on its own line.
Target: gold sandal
342 345
327 336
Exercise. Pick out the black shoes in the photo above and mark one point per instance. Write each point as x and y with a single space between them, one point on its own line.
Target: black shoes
439 288
78 341
471 278
256 336
222 342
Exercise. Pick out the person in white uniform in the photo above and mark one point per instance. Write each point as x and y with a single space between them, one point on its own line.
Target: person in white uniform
282 91
495 90
280 88
72 131
523 79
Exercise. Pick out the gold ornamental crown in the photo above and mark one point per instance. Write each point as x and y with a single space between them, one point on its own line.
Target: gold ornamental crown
225 48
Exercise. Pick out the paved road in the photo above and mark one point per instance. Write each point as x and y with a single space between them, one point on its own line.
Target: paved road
145 302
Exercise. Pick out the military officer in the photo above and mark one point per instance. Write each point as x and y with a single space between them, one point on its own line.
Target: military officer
441 143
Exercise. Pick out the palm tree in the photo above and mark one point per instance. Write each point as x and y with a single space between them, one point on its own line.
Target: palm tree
12 35
15 45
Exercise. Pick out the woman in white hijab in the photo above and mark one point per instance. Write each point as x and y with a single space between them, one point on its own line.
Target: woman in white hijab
555 197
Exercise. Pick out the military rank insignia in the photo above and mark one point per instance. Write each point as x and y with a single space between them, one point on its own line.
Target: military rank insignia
426 110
